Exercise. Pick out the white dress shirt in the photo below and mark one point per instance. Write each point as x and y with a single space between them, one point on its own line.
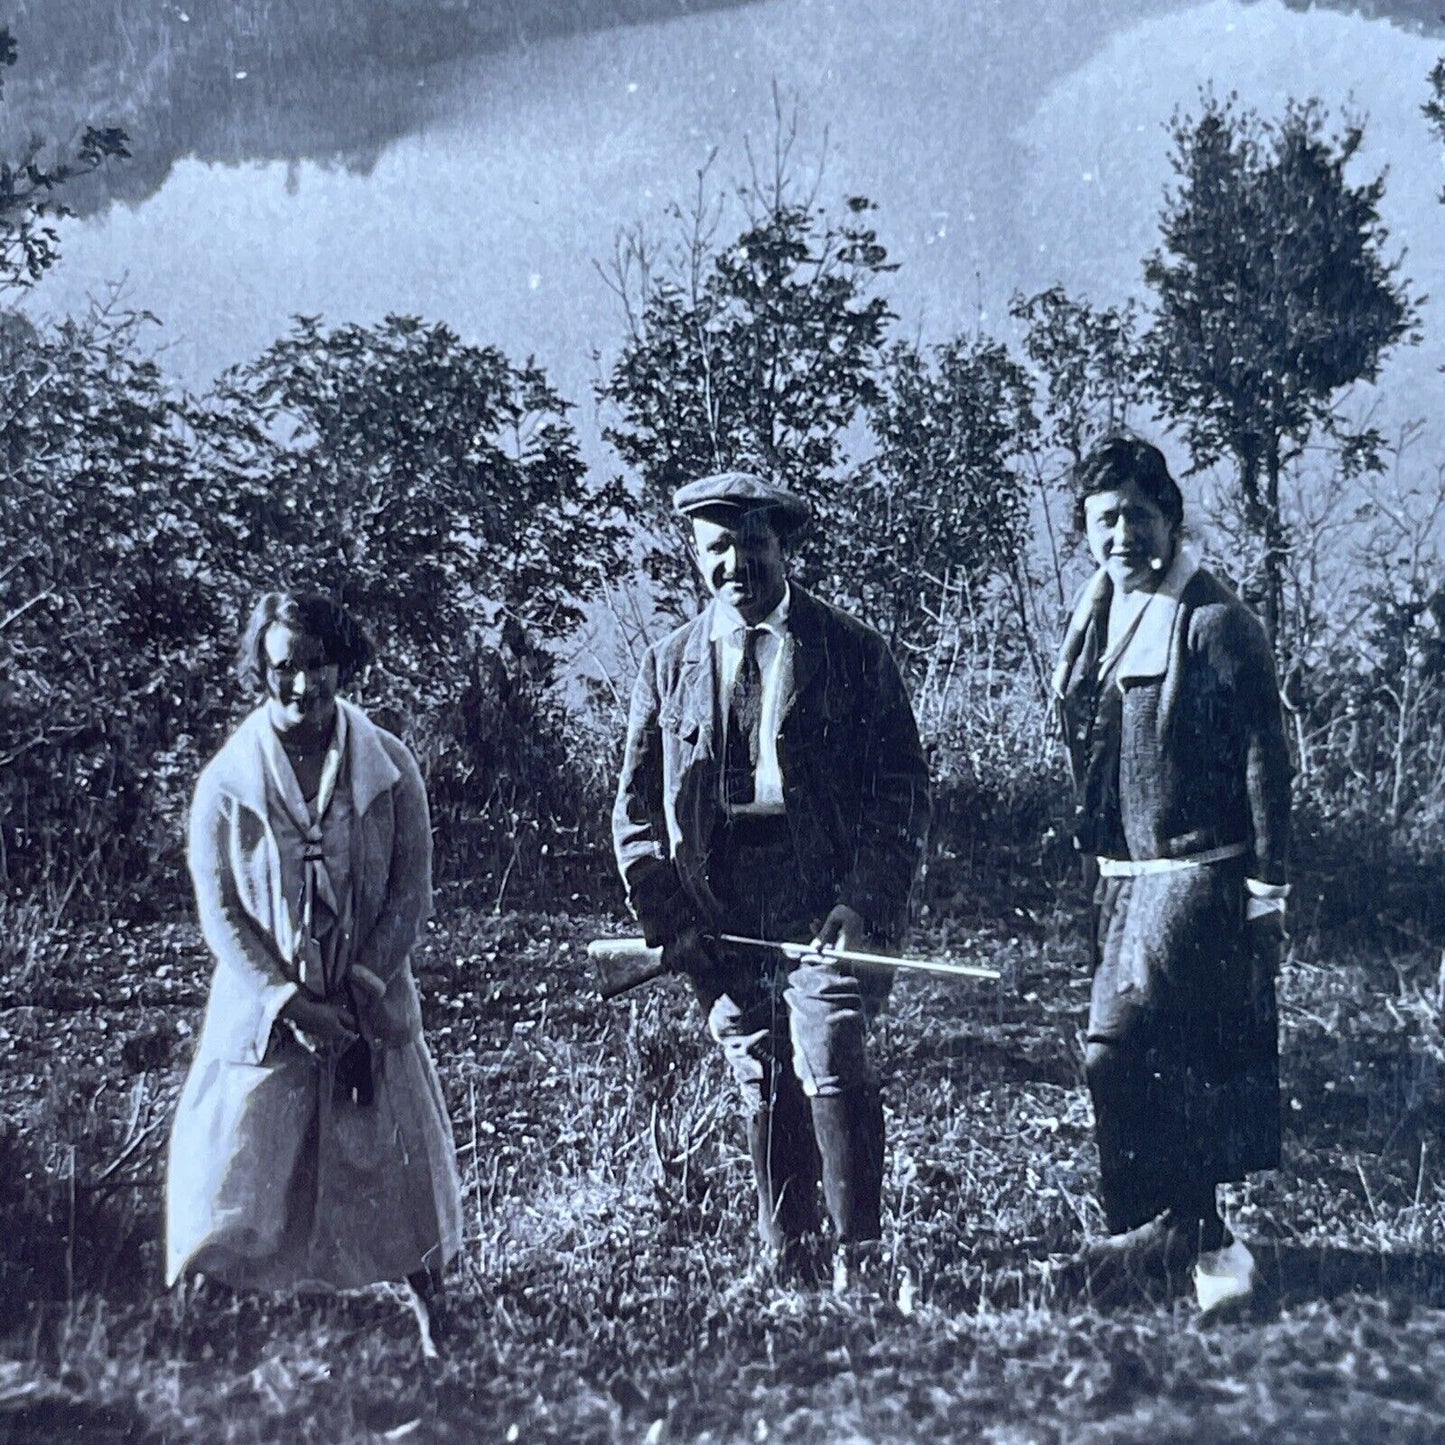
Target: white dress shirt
774 649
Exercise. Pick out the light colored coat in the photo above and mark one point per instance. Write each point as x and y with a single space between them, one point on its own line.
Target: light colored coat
273 1181
236 869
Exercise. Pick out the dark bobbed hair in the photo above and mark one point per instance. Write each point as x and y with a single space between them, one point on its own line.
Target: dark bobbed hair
1120 459
316 615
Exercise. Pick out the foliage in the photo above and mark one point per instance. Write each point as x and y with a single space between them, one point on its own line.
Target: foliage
1088 371
28 208
109 619
517 810
432 486
1089 364
941 510
436 489
1272 296
1434 108
1368 616
760 353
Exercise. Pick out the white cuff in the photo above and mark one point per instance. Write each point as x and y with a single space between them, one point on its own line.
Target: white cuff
1262 907
1258 889
1264 899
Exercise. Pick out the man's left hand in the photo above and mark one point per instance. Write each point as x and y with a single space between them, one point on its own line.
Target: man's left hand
842 928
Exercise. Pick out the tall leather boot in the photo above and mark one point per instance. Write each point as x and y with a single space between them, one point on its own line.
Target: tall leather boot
849 1131
785 1168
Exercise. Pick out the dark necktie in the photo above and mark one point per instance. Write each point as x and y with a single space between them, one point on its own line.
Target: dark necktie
745 715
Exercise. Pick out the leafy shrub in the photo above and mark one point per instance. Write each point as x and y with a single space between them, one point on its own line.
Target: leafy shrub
111 649
432 486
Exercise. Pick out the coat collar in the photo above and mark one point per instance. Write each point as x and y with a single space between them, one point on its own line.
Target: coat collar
243 760
1151 645
1148 651
697 651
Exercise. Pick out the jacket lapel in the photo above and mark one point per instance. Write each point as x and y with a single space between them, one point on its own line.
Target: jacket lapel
372 773
371 768
1156 651
1150 651
1088 612
697 701
805 623
244 762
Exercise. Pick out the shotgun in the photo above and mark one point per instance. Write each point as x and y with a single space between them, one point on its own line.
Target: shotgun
627 963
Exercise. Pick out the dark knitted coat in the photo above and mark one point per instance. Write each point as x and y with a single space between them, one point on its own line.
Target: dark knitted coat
1178 751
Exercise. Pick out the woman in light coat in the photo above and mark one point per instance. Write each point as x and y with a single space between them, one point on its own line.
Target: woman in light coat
1171 712
311 1146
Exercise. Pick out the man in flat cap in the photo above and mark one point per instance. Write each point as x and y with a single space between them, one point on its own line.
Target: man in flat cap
774 787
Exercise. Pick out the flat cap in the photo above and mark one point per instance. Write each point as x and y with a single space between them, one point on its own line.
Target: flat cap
742 492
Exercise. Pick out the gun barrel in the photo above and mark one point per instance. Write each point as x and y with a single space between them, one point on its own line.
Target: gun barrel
626 963
882 960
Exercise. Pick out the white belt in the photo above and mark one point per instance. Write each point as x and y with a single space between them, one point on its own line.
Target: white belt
1138 867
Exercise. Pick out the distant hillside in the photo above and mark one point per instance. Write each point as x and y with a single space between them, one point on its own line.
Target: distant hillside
240 80
1008 146
1427 17
335 80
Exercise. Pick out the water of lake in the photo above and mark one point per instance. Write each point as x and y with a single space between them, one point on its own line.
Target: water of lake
1007 145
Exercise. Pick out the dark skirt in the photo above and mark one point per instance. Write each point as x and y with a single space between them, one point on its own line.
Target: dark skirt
1186 1087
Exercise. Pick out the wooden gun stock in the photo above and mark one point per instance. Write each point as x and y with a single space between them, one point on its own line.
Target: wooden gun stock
623 964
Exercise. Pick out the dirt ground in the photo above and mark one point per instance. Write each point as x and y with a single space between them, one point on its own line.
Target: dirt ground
604 1290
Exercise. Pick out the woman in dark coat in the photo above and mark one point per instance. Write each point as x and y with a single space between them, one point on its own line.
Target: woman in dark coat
1175 735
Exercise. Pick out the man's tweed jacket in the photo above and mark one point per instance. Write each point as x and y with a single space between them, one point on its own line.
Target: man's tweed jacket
855 784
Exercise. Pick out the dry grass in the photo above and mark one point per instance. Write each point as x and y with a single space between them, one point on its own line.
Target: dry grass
603 1293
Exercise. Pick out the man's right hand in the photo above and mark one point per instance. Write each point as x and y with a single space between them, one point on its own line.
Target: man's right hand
323 1023
689 953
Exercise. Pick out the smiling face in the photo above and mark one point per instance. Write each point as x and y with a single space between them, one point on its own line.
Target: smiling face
300 683
1128 535
741 560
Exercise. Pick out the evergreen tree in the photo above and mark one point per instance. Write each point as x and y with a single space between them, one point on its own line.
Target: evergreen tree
1273 295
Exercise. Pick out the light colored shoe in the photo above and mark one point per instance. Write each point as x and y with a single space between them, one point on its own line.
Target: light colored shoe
870 1271
906 1291
1223 1277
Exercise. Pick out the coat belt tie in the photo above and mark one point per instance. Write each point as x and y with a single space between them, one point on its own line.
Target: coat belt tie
1141 867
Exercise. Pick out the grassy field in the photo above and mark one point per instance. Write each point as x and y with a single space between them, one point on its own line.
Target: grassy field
603 1293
